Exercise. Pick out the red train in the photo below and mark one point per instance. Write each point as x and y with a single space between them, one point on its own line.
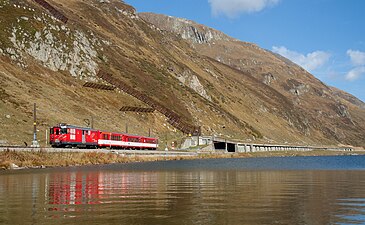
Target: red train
64 135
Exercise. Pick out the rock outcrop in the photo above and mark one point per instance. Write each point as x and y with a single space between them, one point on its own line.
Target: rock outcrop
189 30
75 54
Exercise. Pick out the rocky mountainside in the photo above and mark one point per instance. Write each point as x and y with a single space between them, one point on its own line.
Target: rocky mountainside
193 76
325 108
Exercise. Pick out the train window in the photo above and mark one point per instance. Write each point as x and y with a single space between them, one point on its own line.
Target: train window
57 131
151 141
51 131
63 130
134 139
115 138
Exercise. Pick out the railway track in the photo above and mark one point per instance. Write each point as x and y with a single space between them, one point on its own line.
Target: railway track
115 151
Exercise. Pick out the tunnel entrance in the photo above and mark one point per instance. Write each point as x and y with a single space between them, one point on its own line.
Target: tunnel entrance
218 145
231 147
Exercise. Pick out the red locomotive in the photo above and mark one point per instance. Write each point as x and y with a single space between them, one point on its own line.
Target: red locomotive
72 136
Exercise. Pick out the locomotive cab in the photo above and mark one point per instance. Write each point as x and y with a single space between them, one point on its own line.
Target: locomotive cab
57 135
72 136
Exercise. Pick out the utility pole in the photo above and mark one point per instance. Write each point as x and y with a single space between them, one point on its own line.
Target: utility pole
166 148
35 143
199 131
46 137
198 143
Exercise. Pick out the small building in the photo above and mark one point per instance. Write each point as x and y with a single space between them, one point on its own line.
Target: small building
193 141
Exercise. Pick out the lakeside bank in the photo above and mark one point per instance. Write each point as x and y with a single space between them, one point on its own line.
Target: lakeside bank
12 159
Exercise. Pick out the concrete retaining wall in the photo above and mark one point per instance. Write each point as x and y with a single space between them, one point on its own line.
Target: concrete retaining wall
241 147
217 143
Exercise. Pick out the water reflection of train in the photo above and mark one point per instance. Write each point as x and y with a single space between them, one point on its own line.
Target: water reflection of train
64 135
92 188
74 189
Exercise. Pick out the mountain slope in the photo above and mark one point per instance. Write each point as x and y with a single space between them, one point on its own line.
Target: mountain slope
323 108
227 87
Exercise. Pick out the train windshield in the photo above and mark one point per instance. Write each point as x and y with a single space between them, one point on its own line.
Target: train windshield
63 130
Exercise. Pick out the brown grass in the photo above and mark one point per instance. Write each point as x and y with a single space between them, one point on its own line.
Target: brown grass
63 159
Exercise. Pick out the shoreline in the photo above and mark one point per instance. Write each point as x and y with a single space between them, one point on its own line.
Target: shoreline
23 160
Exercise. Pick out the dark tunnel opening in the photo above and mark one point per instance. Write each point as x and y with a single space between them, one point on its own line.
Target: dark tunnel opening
222 146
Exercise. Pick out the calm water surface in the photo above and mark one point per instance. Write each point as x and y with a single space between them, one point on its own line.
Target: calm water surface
302 190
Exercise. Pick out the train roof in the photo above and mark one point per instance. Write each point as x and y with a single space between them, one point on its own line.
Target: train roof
134 135
62 125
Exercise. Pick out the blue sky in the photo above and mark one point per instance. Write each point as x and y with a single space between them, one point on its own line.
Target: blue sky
326 37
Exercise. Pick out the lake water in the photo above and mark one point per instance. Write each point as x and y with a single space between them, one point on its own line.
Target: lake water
298 190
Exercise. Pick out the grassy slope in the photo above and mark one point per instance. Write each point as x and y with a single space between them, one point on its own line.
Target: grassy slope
241 107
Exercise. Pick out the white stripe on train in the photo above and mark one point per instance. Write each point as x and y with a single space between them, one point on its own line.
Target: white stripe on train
127 144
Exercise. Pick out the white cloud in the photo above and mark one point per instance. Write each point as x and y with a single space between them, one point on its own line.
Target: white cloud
310 62
357 57
355 73
232 8
358 60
